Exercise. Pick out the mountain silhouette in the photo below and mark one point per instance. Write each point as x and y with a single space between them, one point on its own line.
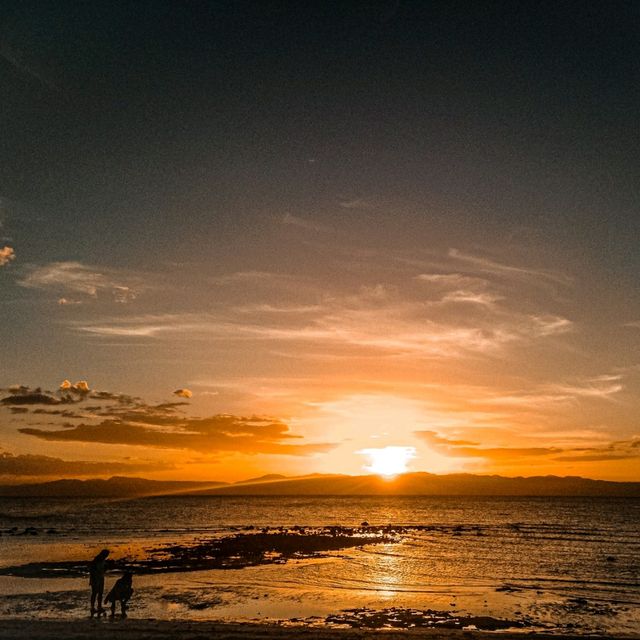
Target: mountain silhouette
116 487
431 484
407 484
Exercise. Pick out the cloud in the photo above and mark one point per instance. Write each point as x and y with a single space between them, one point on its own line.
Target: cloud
618 450
471 297
457 306
251 435
489 266
284 281
602 387
183 393
37 465
67 393
376 318
89 283
80 387
465 448
6 255
35 397
453 280
125 420
278 309
454 288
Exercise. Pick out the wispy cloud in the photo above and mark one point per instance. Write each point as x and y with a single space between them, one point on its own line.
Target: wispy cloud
389 329
454 280
457 288
390 319
83 282
490 266
278 309
603 387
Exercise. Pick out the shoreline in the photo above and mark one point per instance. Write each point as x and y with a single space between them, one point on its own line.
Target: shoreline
143 629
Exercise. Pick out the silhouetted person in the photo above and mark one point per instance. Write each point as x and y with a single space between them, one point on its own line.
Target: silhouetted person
122 592
97 569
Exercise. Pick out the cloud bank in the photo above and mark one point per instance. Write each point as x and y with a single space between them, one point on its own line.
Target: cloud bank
35 465
124 420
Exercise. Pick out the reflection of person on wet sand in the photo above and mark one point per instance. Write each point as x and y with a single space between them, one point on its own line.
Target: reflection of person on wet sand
121 591
97 569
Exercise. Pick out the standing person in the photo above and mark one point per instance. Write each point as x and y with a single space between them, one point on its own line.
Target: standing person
97 569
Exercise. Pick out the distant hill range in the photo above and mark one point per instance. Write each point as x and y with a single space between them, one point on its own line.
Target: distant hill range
419 484
116 487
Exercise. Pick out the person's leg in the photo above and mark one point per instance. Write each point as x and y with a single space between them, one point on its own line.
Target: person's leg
93 601
100 590
113 608
123 607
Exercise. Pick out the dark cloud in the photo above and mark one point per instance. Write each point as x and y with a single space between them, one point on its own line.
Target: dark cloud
122 398
30 398
598 457
125 420
620 450
467 449
67 393
254 434
35 465
65 413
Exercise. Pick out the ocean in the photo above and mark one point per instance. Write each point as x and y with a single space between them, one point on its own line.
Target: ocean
557 564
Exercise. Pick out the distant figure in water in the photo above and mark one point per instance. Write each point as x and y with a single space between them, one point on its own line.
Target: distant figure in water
122 592
97 569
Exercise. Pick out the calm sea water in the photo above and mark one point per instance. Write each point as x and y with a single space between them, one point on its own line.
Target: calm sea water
556 561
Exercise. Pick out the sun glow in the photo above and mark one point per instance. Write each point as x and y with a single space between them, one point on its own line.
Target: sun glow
388 461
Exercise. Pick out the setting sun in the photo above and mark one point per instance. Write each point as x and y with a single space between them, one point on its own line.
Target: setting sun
389 461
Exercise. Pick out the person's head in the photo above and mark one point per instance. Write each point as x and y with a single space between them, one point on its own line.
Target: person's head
127 576
103 554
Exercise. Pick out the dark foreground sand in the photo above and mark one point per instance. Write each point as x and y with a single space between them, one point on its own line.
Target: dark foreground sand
183 630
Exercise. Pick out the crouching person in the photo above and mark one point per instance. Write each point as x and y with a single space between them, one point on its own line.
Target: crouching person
121 592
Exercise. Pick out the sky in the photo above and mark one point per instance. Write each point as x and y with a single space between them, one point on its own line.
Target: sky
282 237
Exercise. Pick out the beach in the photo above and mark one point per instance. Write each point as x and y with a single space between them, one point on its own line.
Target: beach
188 630
502 565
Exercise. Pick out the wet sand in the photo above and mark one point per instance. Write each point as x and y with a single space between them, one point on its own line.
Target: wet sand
160 599
187 630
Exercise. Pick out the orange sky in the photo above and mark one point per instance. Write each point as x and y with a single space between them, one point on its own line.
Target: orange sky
342 228
469 363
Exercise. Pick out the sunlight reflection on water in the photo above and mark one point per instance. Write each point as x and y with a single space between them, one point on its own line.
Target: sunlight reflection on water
494 556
